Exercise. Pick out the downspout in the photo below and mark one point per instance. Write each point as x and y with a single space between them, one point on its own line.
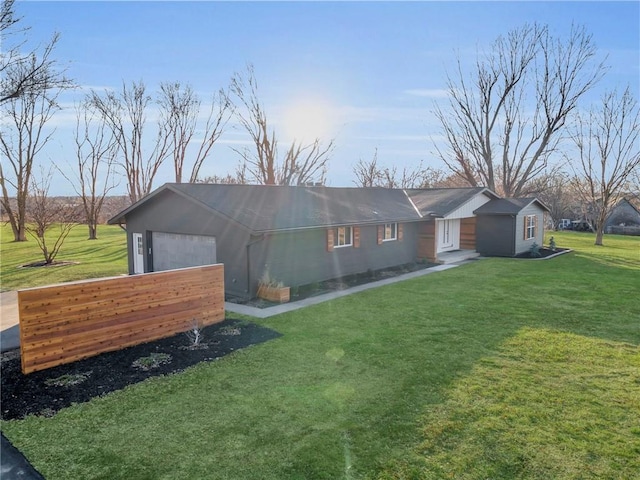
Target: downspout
258 240
514 233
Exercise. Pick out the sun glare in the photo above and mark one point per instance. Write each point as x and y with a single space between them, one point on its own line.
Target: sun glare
306 120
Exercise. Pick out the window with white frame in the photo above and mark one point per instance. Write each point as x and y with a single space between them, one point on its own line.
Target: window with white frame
530 222
344 237
390 232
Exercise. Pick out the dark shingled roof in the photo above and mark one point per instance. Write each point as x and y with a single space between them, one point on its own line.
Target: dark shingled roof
507 206
440 202
262 208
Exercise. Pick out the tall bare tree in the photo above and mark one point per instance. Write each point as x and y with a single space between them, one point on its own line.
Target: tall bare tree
608 149
181 106
93 177
505 117
302 163
45 213
22 139
125 113
30 72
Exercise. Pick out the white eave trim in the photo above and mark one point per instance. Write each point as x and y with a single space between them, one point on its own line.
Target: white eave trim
412 204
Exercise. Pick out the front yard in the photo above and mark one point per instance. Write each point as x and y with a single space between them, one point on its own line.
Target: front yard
501 368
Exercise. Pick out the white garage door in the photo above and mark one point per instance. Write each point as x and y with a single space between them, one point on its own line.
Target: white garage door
175 250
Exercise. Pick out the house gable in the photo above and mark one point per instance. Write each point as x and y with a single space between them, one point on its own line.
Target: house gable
467 209
448 202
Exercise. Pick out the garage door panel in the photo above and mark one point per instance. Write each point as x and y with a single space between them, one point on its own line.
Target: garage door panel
176 250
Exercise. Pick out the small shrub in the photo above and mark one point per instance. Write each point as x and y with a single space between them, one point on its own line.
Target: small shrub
152 361
267 281
534 251
68 379
229 330
552 244
195 337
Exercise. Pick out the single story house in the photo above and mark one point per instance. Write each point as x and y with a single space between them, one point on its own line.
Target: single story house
298 234
509 226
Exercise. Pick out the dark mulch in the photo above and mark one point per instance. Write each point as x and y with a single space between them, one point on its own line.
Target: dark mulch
544 253
23 395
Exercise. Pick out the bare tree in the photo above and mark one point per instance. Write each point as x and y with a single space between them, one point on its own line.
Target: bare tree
182 107
302 163
45 213
20 72
126 115
505 118
608 152
370 174
227 179
409 178
21 141
635 183
94 173
556 191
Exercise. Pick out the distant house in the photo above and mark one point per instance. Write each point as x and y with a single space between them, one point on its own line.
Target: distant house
300 234
624 214
509 226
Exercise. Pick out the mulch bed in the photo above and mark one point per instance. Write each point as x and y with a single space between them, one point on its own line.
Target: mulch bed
336 284
544 253
35 393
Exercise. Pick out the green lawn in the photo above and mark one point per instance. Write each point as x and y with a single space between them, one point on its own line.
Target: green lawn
500 368
104 257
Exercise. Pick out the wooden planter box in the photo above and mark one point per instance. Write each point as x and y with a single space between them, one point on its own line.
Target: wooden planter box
274 294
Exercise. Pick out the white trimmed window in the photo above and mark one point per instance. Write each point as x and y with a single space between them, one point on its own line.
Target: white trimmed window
530 222
390 232
344 237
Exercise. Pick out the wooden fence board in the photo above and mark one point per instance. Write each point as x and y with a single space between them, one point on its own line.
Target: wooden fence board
68 322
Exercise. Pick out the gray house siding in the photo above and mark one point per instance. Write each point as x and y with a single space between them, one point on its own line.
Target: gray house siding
170 213
300 257
295 257
521 244
494 236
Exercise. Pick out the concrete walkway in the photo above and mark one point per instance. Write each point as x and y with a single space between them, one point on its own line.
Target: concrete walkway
9 329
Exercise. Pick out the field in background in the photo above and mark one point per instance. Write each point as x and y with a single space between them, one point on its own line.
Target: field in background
104 257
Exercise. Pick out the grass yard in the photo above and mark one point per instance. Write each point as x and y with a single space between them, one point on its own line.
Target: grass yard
497 369
104 257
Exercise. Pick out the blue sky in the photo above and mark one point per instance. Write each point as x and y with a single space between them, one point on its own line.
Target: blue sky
369 72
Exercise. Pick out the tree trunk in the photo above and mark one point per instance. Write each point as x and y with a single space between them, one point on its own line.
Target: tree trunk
19 234
599 236
93 231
